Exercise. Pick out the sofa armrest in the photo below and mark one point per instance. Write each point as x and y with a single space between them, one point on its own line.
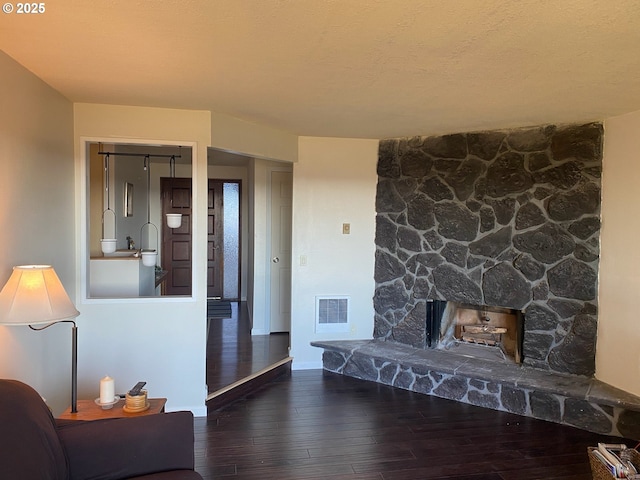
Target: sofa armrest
119 448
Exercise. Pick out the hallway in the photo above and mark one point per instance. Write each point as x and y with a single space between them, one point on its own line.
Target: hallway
234 354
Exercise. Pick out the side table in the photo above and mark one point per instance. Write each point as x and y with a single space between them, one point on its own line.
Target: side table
89 410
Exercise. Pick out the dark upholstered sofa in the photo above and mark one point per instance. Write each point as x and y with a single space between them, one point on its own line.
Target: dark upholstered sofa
35 446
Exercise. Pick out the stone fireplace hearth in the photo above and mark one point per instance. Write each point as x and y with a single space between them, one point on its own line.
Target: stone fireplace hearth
507 219
573 400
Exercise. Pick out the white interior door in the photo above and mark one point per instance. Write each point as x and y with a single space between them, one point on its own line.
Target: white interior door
281 199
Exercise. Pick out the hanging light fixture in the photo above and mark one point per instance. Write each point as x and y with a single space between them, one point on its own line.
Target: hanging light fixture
108 245
174 220
149 255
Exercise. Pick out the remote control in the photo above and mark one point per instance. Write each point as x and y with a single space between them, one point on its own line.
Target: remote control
135 391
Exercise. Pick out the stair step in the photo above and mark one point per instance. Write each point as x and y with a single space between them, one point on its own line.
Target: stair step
245 386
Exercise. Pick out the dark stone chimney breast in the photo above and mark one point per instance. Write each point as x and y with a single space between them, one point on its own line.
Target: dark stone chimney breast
503 218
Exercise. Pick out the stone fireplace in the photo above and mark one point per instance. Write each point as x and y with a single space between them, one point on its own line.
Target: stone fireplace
501 223
506 219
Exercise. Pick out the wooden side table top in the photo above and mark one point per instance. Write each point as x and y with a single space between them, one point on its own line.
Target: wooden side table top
89 410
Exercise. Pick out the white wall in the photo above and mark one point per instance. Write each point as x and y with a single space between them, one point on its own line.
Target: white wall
159 340
617 352
36 220
334 182
251 139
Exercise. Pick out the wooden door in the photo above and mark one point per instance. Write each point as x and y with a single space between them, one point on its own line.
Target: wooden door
176 242
215 265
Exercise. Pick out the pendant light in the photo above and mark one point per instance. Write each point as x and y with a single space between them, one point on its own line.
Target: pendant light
174 220
149 255
108 245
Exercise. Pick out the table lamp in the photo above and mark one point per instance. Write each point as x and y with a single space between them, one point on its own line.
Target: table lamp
34 295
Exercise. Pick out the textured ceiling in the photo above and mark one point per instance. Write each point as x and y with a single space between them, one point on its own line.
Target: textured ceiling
345 68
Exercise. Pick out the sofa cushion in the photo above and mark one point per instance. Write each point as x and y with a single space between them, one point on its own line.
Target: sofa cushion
118 448
29 444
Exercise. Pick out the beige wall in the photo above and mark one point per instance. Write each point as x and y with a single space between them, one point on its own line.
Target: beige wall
334 182
618 352
36 220
163 325
159 340
259 141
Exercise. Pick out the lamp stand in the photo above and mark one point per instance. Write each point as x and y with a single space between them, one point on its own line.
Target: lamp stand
74 368
74 360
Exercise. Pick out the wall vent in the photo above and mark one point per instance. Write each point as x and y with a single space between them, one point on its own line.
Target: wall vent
332 314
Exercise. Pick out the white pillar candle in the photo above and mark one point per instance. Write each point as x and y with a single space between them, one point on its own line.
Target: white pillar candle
107 390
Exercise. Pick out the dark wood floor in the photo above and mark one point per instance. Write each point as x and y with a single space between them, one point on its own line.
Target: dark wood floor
234 354
315 424
318 425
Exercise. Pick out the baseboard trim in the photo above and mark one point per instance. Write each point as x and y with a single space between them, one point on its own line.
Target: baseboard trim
307 365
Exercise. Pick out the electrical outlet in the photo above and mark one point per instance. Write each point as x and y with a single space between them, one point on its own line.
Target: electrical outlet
346 228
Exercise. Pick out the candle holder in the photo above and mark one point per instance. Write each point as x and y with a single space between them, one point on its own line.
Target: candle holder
107 405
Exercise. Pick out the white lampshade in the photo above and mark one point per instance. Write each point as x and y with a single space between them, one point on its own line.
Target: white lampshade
34 294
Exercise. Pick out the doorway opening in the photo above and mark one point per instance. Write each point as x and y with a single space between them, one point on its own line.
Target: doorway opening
245 277
223 240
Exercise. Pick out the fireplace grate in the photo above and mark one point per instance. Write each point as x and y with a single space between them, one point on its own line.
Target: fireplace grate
451 324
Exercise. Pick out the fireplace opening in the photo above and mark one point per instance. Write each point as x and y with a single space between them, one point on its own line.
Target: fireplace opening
475 330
